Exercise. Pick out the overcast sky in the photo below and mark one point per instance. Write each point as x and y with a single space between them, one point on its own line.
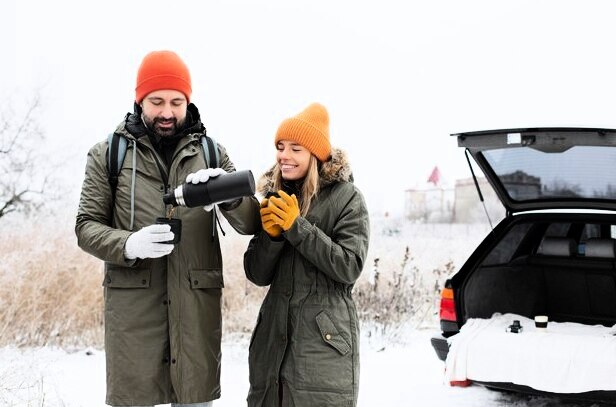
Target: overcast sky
396 76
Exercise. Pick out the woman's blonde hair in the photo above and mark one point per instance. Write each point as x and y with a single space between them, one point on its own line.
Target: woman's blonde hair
310 188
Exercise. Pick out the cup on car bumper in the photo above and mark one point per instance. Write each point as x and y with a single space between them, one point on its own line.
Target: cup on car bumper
541 322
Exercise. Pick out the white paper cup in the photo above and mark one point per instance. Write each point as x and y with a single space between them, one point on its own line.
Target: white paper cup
541 322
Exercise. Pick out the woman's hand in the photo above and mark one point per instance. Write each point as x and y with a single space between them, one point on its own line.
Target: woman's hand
269 225
284 210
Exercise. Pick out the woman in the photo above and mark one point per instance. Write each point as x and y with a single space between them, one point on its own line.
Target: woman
304 349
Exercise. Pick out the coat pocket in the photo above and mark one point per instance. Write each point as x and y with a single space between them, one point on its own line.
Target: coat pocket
325 361
330 334
126 277
206 278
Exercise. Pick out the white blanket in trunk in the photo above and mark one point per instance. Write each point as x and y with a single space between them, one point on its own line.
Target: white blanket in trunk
566 358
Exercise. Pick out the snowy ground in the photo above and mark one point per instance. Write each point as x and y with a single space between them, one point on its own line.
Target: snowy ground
403 371
404 374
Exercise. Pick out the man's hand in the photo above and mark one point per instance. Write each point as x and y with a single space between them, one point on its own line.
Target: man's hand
147 243
285 209
269 225
203 176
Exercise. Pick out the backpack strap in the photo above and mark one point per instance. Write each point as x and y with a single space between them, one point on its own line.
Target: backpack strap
117 145
212 160
210 151
116 151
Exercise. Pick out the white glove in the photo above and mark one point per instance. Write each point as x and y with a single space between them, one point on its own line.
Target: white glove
146 243
203 176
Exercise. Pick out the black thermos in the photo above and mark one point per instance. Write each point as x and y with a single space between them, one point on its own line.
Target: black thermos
225 187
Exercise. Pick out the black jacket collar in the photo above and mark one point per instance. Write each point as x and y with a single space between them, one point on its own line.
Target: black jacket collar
136 127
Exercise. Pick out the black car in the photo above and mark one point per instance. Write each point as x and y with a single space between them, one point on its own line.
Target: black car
554 252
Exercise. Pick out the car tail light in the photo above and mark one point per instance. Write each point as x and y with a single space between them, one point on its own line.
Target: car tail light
448 305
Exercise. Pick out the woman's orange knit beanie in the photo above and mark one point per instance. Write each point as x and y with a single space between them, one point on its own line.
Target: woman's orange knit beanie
162 70
310 129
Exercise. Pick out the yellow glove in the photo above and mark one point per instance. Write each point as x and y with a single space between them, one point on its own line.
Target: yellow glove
284 209
270 227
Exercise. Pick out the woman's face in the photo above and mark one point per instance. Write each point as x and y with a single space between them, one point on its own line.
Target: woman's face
293 160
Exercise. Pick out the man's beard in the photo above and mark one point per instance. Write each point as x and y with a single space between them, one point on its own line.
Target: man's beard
154 125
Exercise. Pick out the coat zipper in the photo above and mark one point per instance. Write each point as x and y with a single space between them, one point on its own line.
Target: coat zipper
161 168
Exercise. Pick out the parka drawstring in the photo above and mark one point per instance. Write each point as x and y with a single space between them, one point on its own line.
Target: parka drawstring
315 283
132 186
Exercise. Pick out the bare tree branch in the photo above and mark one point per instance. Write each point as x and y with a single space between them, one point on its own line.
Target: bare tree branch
23 127
22 188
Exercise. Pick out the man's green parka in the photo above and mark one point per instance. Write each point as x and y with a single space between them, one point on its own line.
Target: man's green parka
163 315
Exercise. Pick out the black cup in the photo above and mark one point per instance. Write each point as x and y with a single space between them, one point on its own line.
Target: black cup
541 321
176 228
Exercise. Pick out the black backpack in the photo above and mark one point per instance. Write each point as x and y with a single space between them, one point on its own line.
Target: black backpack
118 145
117 151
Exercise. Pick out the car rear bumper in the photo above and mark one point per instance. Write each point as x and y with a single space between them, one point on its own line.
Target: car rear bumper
440 345
586 397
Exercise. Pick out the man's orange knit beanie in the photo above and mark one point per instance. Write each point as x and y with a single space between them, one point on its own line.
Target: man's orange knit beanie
310 129
162 70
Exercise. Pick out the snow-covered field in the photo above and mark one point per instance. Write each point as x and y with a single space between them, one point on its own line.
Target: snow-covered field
397 369
406 373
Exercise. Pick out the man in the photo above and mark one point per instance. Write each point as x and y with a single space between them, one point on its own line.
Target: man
162 301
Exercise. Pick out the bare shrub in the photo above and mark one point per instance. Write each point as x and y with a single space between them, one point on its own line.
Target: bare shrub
397 294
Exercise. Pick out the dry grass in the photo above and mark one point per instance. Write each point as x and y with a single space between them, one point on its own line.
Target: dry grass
241 298
51 293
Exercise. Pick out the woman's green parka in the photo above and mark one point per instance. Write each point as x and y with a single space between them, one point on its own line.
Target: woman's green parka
305 342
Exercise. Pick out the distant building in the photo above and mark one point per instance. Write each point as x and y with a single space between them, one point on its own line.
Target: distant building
429 205
521 185
437 202
430 202
468 207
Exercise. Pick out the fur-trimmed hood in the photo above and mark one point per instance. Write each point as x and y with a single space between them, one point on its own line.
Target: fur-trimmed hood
336 169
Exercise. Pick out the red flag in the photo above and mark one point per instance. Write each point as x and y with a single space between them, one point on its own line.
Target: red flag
435 177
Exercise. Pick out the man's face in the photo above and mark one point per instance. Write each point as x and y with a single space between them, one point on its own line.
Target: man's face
164 111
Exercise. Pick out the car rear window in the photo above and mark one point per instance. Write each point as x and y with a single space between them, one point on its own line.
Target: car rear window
504 250
578 172
558 229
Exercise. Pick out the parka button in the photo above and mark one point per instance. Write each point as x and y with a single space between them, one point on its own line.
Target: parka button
162 187
143 282
173 361
196 282
328 337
